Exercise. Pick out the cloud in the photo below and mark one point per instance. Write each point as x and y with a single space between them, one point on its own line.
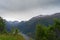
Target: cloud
26 9
20 5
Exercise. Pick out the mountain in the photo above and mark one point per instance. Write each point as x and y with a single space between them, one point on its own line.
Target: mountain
10 24
28 27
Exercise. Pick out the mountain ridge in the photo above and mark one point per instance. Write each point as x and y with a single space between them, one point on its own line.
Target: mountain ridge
28 27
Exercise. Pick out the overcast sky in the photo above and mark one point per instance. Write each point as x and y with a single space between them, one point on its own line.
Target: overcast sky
26 9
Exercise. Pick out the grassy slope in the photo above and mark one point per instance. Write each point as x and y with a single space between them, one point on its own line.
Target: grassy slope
11 37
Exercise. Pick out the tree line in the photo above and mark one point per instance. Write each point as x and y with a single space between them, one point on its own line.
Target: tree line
52 32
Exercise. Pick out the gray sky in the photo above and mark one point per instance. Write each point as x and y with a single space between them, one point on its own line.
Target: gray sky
26 9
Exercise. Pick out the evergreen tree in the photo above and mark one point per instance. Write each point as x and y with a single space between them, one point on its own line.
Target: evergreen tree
40 33
2 25
51 35
57 29
48 33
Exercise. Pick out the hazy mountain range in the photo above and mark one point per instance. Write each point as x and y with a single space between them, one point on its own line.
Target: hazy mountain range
28 27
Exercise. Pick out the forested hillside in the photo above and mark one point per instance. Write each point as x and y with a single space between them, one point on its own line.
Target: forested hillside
52 32
28 27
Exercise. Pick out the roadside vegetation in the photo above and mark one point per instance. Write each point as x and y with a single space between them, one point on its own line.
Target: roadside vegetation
52 32
13 34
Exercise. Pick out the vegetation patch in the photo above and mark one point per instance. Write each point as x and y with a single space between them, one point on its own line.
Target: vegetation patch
11 37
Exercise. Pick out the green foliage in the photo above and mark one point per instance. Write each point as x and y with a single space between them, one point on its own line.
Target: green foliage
2 25
11 37
40 32
48 33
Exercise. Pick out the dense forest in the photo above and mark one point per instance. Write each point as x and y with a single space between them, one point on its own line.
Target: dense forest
52 32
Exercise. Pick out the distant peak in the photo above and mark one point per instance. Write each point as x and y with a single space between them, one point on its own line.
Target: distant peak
57 14
40 16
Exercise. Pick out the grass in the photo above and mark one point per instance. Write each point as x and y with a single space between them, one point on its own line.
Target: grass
11 37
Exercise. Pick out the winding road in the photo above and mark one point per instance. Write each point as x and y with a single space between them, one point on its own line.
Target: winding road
26 37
